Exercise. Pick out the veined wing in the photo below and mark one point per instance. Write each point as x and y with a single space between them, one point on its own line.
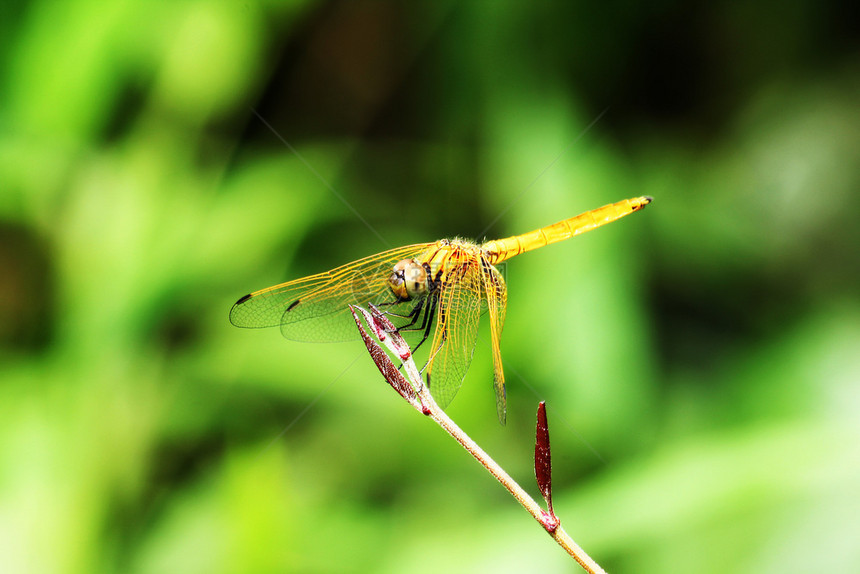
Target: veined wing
497 300
315 308
456 328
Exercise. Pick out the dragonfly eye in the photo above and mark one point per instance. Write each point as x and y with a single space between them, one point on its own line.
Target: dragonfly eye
408 279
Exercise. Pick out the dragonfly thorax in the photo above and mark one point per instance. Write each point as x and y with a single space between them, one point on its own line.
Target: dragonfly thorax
409 279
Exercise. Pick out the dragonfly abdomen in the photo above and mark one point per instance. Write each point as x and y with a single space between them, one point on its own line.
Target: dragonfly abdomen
501 249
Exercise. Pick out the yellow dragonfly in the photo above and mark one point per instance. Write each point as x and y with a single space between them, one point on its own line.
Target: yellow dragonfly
440 288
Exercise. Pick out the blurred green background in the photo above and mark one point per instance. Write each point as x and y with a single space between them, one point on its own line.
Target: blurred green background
700 359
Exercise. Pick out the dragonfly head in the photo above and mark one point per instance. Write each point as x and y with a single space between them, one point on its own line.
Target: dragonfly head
408 280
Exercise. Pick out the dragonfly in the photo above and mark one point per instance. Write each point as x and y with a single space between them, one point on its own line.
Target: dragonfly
431 291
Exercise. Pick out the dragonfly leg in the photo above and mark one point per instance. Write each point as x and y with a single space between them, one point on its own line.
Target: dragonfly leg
412 316
430 312
397 301
426 326
427 323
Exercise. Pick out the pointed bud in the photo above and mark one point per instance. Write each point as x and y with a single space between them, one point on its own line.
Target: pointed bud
391 373
543 466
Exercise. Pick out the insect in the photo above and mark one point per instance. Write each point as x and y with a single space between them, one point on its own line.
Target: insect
437 289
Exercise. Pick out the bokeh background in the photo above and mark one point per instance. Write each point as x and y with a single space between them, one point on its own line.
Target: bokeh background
700 359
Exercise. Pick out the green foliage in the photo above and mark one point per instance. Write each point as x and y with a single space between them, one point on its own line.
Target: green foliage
699 360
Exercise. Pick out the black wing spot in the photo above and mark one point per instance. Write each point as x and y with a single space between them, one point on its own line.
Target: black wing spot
243 299
293 305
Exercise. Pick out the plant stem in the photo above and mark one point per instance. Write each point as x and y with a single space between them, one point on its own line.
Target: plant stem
533 508
418 395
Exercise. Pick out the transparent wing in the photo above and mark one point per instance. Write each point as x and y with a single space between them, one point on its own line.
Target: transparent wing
456 329
497 298
315 308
